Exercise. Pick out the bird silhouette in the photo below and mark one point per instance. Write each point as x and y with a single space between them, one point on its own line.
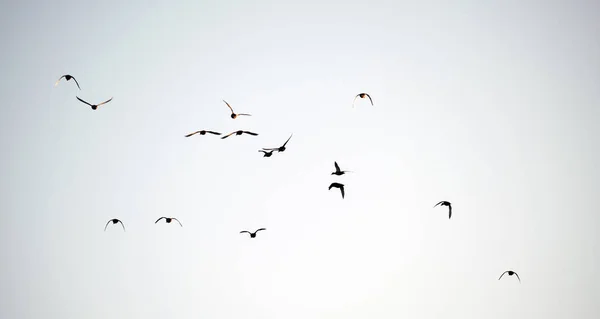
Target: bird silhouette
266 154
252 235
510 273
338 185
338 171
114 221
445 203
233 114
238 133
169 220
280 148
67 77
93 105
362 96
203 132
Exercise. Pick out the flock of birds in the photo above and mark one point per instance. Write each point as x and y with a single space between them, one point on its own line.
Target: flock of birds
267 152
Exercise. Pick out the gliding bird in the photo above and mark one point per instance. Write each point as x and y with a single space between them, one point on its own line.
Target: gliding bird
238 133
169 220
252 235
93 105
338 185
67 77
362 96
338 171
281 148
233 115
114 221
510 273
203 132
445 203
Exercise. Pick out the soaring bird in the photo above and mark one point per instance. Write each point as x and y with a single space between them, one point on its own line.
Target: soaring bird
114 221
281 148
266 154
445 203
203 132
510 273
238 133
362 96
93 105
338 185
67 77
338 171
252 235
169 220
233 115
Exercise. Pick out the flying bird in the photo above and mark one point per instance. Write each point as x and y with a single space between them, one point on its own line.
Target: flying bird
233 115
338 185
445 203
362 96
114 221
92 105
252 235
169 220
338 171
281 148
266 154
238 133
510 273
203 132
67 77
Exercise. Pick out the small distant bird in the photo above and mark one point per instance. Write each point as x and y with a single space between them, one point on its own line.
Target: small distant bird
362 96
445 203
92 105
203 132
338 171
238 133
252 235
114 221
510 273
338 185
266 154
281 148
67 77
233 115
169 220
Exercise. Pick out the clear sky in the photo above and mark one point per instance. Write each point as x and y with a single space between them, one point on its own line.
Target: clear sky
491 105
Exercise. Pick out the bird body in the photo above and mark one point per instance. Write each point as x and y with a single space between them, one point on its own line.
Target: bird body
445 203
67 77
169 220
233 114
114 221
239 133
94 106
338 185
203 132
266 154
510 273
252 235
362 96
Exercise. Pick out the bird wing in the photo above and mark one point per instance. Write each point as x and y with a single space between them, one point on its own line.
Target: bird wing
56 83
244 114
502 275
449 211
192 134
259 230
178 221
228 135
229 106
342 190
105 101
438 203
122 225
245 231
159 219
211 132
74 79
337 167
357 95
369 98
83 101
107 224
247 132
288 139
518 277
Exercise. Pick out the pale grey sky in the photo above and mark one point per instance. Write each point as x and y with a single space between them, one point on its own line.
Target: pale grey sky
491 105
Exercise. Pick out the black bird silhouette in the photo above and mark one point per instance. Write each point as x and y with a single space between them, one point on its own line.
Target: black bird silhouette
169 220
93 105
510 273
338 185
233 115
267 154
67 77
445 203
362 96
114 221
238 133
281 148
338 171
252 235
203 132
